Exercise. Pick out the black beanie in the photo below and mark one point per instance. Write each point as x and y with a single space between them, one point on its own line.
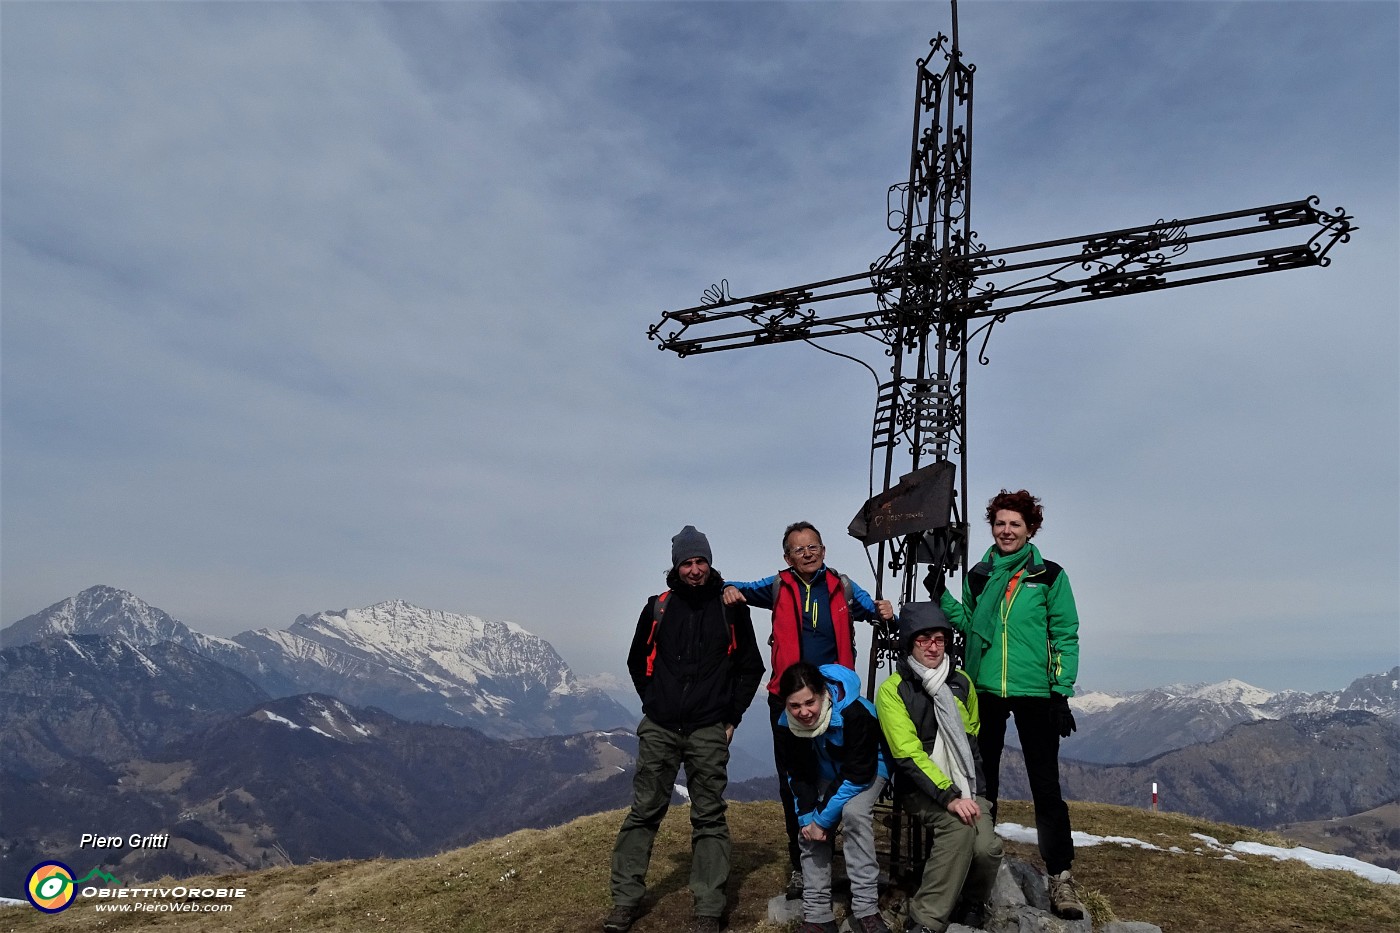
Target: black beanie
920 617
687 544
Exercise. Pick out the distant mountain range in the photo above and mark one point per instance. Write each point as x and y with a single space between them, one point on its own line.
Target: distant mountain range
385 730
104 699
418 664
399 730
1120 728
299 778
1264 773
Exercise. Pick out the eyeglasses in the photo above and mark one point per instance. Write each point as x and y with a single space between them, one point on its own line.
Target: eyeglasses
806 549
925 639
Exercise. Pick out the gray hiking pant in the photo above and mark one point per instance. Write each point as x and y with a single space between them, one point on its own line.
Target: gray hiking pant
862 867
964 860
660 755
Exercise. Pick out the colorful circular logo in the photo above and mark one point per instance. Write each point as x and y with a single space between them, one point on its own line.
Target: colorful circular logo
50 887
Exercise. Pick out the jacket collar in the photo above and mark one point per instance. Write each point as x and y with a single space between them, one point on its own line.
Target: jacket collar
1034 563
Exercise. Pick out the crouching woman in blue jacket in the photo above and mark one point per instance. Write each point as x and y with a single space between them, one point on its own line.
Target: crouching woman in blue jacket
836 767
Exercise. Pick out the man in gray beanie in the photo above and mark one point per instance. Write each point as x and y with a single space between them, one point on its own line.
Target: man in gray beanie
696 667
928 713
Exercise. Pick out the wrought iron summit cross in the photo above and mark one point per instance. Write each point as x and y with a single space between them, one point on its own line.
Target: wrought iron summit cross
938 289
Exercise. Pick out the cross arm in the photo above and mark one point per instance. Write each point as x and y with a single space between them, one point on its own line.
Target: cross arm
897 295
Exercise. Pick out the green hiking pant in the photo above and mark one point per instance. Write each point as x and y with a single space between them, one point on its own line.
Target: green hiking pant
661 752
964 861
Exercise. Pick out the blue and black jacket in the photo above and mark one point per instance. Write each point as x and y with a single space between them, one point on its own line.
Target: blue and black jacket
827 771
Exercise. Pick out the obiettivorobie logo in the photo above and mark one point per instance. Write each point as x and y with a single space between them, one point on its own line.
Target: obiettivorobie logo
51 886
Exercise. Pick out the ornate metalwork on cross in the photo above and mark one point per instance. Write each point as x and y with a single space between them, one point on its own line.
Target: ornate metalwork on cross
939 291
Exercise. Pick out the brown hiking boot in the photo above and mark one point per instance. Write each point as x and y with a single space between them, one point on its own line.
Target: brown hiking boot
1063 899
621 919
873 923
812 926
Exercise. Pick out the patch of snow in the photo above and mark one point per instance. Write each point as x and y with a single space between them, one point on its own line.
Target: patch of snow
1322 860
282 719
76 650
319 731
683 791
149 665
1014 832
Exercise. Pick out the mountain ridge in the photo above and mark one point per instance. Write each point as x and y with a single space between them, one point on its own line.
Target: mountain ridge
306 778
1119 728
420 664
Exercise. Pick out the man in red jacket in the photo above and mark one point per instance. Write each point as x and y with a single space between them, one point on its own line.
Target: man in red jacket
814 609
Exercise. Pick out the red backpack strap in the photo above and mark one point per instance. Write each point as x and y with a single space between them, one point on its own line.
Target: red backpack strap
658 610
733 639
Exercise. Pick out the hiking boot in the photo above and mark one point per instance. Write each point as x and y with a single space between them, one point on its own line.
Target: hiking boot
811 926
621 919
794 885
874 923
970 915
1063 899
704 925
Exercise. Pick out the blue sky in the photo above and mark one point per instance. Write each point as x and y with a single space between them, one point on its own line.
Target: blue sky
309 306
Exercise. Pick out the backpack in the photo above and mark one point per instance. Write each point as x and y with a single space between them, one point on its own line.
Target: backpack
659 610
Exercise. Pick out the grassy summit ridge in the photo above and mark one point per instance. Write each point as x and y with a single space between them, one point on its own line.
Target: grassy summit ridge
556 881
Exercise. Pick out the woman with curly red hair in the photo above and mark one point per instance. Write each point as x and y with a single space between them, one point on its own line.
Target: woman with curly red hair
1022 631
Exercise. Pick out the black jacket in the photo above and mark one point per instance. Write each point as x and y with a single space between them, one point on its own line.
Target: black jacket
705 668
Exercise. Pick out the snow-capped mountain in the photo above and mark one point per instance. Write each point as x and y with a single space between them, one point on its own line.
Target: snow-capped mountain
106 610
433 666
1376 693
1116 728
419 664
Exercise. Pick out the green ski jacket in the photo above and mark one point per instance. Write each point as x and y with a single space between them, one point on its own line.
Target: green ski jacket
1022 639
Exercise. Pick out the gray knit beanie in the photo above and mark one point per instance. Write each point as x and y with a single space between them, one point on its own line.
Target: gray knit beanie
687 544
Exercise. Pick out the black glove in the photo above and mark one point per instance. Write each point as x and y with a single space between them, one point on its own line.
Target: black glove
1060 716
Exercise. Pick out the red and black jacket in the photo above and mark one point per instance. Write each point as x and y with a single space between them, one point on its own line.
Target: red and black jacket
695 663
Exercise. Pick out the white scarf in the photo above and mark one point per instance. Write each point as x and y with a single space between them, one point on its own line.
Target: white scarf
818 727
951 752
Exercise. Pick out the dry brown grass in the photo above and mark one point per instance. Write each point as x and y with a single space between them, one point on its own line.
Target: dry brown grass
557 880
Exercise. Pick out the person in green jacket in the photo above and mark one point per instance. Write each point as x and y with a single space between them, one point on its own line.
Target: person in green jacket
1022 652
928 713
